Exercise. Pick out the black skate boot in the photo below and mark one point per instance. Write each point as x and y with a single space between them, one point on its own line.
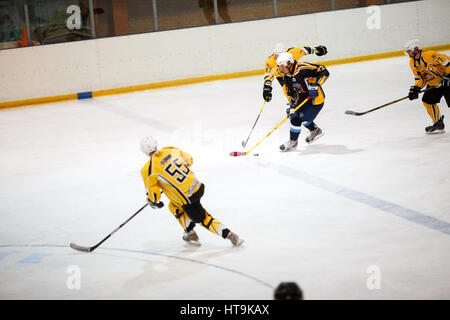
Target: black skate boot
437 127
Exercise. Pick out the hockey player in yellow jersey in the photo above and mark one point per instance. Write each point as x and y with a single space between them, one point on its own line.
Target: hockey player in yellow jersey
302 80
431 69
169 171
271 70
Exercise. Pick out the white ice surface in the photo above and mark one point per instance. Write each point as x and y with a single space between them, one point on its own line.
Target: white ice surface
374 191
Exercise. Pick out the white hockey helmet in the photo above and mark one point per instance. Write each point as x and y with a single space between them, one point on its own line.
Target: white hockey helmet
148 145
412 44
279 48
284 58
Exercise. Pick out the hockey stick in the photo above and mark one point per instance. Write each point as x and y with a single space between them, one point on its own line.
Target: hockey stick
90 249
241 153
354 113
245 143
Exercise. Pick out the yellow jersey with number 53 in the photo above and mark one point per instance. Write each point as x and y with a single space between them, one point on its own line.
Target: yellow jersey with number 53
169 170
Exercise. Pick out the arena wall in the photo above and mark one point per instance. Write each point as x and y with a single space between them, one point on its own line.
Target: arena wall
138 62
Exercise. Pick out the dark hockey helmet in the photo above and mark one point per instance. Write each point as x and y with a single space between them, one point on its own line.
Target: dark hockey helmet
288 291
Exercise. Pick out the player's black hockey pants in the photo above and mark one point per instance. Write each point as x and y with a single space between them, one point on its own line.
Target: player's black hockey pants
195 210
434 95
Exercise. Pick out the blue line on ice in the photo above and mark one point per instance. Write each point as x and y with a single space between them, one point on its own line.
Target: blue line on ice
34 258
389 207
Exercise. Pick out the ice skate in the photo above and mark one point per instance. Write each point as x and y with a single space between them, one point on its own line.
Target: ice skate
192 238
314 135
289 145
235 240
437 127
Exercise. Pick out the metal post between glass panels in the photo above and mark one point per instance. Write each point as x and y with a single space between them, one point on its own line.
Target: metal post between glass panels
216 13
275 8
91 15
155 15
332 4
27 23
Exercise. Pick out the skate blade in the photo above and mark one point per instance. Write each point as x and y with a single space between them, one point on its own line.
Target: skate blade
194 243
241 241
289 150
316 138
284 151
435 132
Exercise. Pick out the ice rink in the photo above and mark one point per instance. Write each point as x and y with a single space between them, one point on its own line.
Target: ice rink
363 213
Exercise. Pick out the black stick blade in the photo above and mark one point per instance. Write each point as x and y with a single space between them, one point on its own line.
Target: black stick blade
79 248
243 144
353 113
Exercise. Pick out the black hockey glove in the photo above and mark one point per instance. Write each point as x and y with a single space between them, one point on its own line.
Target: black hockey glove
309 50
320 50
267 91
446 81
155 205
413 92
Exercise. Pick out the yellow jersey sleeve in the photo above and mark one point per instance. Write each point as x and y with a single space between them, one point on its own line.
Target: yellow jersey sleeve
298 53
145 174
438 61
270 68
152 189
418 81
187 158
